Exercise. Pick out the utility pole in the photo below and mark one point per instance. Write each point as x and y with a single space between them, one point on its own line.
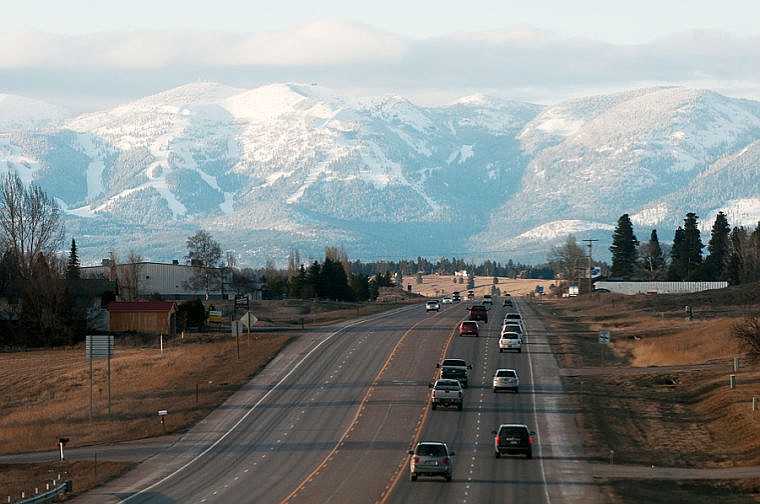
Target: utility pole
589 243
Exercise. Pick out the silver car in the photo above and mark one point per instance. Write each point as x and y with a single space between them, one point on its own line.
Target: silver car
431 458
506 379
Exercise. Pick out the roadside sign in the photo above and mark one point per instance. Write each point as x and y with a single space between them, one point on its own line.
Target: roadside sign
604 336
248 320
215 316
99 346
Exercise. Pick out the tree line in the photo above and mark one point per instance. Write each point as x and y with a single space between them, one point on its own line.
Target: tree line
733 254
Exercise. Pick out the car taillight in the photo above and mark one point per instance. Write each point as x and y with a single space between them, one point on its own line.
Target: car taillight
530 440
498 439
415 459
445 460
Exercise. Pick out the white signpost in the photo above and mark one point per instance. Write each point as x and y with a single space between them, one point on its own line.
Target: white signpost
604 336
604 340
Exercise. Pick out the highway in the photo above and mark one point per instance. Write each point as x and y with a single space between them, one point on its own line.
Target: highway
331 420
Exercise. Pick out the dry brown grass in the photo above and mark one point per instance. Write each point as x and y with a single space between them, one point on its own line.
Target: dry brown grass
678 416
440 285
46 394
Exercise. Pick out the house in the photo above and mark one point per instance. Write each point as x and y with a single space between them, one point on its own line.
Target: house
150 317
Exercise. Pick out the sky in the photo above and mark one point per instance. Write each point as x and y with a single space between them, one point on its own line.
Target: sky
86 55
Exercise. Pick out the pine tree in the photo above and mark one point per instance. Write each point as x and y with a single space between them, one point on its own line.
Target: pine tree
719 248
676 271
686 255
72 270
692 245
624 249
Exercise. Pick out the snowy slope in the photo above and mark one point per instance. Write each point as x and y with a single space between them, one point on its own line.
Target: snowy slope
302 166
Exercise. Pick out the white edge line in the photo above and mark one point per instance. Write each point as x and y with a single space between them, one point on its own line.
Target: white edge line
538 429
252 408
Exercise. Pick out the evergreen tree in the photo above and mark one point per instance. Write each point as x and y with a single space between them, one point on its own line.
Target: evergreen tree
719 248
72 269
653 259
676 271
686 255
734 266
624 249
692 246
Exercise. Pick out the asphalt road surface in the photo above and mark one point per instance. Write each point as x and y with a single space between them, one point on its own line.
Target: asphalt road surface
332 417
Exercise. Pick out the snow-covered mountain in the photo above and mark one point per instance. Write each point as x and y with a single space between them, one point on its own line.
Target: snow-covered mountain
288 166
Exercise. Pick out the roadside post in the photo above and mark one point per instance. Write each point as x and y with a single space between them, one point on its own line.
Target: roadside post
61 443
604 340
100 347
162 415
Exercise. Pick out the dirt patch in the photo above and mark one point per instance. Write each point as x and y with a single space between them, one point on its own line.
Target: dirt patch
681 413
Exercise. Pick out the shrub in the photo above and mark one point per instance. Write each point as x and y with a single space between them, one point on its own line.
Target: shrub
748 331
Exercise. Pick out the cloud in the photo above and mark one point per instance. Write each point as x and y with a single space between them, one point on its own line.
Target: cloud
521 64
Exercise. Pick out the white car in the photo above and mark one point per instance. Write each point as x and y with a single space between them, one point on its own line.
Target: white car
432 305
510 341
506 379
447 300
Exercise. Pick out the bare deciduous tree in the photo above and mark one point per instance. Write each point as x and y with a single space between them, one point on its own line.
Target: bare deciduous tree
204 254
30 221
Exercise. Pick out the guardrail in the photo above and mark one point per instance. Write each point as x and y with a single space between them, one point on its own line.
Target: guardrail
47 495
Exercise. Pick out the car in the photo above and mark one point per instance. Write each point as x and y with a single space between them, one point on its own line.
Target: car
512 316
447 300
431 458
513 439
456 297
513 327
507 302
602 290
479 312
510 341
432 305
506 379
469 328
487 299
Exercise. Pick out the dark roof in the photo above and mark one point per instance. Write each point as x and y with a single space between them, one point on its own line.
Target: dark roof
140 306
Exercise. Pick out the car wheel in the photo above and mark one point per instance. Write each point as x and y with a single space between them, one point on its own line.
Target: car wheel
517 391
519 350
459 406
497 454
433 406
501 350
495 389
413 477
448 478
529 454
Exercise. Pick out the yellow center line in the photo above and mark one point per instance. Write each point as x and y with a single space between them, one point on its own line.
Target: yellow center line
418 432
359 411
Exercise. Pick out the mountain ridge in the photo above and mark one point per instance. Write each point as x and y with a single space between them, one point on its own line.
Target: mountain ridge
299 166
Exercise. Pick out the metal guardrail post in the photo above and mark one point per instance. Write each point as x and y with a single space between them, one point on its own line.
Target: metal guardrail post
50 494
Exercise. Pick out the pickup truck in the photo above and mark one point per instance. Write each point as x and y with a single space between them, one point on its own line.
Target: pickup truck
455 368
446 393
479 312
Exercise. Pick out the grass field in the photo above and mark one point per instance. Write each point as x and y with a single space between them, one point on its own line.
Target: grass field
681 417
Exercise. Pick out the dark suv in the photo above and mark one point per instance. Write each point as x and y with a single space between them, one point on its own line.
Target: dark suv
513 439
